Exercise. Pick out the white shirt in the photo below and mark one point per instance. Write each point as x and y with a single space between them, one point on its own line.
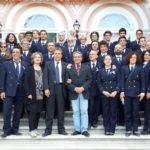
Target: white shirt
130 66
60 70
103 54
25 52
93 63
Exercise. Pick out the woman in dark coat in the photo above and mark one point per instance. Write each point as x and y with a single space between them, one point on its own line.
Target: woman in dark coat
108 82
34 92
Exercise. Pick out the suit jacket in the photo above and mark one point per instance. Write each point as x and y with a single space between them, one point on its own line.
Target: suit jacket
109 82
34 47
83 80
135 46
116 42
148 84
132 82
61 46
29 84
49 77
10 81
27 58
126 51
46 58
94 91
40 48
67 57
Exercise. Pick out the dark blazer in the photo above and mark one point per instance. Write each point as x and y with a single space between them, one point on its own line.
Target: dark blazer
132 82
49 77
27 58
83 80
29 84
109 82
135 46
126 51
34 47
116 42
10 80
40 48
61 46
148 84
94 91
67 57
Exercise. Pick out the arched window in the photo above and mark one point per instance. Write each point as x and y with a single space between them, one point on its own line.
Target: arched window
39 21
114 21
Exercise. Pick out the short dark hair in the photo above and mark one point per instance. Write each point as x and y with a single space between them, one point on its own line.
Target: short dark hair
28 32
143 37
129 55
122 30
139 30
109 32
103 43
17 47
43 31
122 37
94 32
147 51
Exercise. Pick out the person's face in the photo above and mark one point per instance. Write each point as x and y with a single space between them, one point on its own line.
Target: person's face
148 45
25 45
107 37
77 58
28 37
21 36
73 33
57 55
107 61
35 35
51 47
142 42
93 56
139 34
133 59
83 40
61 37
43 36
95 46
3 47
37 59
122 34
123 42
147 56
118 50
11 38
94 37
70 42
16 54
103 48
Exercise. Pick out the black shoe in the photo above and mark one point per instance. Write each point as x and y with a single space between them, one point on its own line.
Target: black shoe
128 133
63 132
16 133
46 134
136 133
4 135
111 133
76 133
85 133
107 133
145 132
95 125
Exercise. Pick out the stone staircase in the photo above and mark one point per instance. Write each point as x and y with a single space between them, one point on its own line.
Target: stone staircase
96 141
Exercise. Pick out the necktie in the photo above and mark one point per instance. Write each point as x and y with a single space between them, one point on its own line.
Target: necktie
43 44
17 69
50 57
82 46
70 51
131 68
78 69
107 71
93 66
57 73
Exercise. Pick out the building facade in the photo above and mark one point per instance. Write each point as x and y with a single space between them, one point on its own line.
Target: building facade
59 15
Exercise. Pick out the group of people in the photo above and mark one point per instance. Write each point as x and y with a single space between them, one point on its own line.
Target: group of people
105 78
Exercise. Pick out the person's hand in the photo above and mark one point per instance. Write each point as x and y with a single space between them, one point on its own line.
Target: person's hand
79 90
141 95
69 66
47 93
69 81
2 95
122 97
107 94
148 95
114 67
113 94
30 96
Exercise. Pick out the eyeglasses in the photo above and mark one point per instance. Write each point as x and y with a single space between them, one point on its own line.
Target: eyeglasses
3 46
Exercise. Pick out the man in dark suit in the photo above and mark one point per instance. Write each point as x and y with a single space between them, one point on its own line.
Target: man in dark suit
26 54
54 86
68 50
49 56
94 100
135 44
42 43
79 79
12 92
